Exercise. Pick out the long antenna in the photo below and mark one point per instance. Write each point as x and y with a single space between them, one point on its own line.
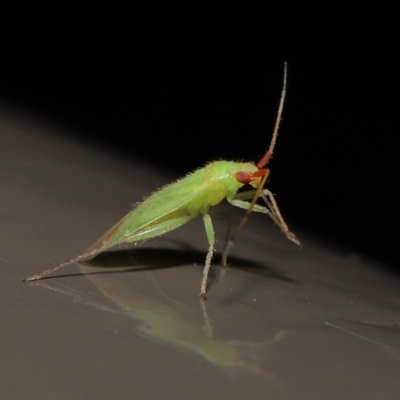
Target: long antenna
270 151
263 161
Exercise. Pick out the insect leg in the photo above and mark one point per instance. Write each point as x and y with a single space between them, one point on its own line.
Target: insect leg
228 218
211 242
239 201
271 210
273 206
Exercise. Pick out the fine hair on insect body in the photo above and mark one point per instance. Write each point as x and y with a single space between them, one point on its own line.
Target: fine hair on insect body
179 202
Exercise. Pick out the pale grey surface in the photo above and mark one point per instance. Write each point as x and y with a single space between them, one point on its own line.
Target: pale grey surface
284 323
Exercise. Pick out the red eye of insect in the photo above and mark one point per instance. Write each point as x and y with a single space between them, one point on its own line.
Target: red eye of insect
243 177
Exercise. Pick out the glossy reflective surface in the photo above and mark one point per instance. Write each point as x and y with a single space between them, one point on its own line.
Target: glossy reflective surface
280 323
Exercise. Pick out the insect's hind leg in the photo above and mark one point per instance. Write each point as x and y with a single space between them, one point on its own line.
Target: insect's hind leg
211 242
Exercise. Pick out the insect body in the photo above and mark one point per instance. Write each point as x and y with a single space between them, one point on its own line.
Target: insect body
185 199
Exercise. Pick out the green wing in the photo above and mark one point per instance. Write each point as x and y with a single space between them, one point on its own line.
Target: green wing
161 212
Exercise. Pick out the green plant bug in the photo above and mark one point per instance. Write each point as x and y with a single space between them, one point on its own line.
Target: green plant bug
181 201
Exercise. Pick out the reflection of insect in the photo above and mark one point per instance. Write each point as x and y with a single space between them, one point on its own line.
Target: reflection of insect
185 199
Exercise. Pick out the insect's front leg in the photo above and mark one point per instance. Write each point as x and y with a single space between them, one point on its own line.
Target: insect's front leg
272 210
273 206
240 200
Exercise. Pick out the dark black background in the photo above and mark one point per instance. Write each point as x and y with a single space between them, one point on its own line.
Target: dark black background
181 86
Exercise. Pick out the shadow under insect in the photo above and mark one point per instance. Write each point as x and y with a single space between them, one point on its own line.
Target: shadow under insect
145 259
